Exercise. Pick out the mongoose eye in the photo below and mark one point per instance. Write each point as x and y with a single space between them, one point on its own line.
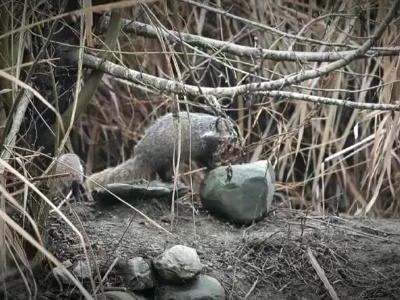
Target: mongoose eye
221 125
217 124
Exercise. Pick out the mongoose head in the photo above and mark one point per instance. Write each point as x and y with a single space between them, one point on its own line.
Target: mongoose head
229 134
226 129
223 129
229 138
71 173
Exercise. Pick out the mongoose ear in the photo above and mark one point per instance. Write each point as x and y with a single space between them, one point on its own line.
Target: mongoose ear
223 126
218 124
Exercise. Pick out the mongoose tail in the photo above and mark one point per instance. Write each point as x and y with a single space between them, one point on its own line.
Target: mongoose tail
126 172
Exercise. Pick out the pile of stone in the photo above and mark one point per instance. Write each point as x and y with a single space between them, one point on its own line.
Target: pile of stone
174 275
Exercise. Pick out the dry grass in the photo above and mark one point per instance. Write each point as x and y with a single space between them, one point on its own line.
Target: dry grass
312 145
286 260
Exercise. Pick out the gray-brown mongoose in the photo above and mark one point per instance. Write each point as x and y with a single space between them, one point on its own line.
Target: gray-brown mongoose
201 137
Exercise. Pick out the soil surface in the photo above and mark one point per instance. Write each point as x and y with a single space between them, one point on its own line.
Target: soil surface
288 255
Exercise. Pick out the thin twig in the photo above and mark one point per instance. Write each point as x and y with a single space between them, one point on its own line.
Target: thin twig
321 275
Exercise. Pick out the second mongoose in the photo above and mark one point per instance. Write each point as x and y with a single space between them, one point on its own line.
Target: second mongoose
69 176
200 137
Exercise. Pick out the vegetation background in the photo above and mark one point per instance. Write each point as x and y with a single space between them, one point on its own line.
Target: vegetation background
326 155
330 149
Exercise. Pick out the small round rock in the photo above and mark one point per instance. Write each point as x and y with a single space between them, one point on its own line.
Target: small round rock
137 274
178 264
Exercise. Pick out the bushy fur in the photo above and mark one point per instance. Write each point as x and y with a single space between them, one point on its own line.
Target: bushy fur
200 136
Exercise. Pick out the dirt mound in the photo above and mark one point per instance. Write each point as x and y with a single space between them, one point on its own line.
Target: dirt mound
289 255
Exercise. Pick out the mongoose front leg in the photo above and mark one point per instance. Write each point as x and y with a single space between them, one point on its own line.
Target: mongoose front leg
165 175
210 161
76 192
215 160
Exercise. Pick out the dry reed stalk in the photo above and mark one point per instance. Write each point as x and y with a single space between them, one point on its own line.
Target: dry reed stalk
300 141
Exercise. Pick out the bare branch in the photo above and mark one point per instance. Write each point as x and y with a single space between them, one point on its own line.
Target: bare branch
332 101
165 85
151 31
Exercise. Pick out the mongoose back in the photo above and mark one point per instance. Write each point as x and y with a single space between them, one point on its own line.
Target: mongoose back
70 165
201 135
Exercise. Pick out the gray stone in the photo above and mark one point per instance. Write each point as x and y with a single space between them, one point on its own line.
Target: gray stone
177 264
82 270
203 287
139 189
137 274
244 198
118 295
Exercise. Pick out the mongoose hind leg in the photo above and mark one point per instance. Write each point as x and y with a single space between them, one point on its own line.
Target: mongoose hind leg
75 188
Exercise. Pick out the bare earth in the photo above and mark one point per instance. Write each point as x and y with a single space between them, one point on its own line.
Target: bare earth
269 260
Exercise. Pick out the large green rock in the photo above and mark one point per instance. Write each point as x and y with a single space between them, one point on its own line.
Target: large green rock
243 195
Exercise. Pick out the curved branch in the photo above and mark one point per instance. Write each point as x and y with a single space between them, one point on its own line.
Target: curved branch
165 85
179 88
152 31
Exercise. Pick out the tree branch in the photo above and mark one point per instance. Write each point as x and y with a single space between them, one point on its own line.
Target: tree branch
332 101
152 31
165 85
